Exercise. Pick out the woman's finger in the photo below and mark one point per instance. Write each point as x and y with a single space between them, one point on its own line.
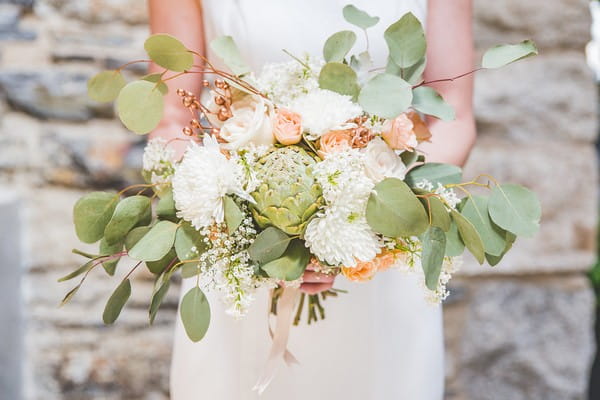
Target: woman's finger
314 288
316 277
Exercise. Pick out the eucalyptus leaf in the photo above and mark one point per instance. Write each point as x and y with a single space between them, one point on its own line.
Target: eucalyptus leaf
84 254
81 270
385 95
109 250
165 209
157 79
156 267
116 302
495 260
189 270
157 299
439 215
406 41
155 244
269 245
140 106
501 55
469 236
493 237
135 235
70 294
168 52
432 258
358 17
394 211
454 244
291 265
129 213
434 173
195 314
91 213
414 73
226 49
428 101
188 242
409 157
515 209
338 45
105 86
339 78
233 214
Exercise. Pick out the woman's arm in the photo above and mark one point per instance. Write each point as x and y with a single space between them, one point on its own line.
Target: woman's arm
450 53
184 21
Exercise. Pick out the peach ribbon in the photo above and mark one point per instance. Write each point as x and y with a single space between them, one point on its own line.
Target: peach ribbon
283 323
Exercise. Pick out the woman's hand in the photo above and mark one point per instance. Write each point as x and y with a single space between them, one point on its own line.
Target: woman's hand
316 282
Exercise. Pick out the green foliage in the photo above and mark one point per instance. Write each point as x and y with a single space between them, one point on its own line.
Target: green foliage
135 235
515 209
269 245
158 296
156 79
81 270
291 265
195 314
501 55
394 211
385 95
233 214
493 237
439 215
414 73
189 269
91 213
495 260
156 267
338 45
469 236
186 238
155 244
140 106
168 52
116 302
428 101
130 212
409 157
108 250
434 173
432 258
406 40
454 244
358 17
339 78
165 209
226 49
105 86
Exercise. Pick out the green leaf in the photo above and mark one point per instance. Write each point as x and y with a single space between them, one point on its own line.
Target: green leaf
504 54
81 270
432 258
469 236
515 209
338 45
135 235
195 314
155 244
187 238
157 299
406 41
358 17
140 106
493 237
189 269
156 267
291 265
91 213
116 302
434 173
339 78
233 214
414 74
168 52
225 48
157 79
394 211
84 254
385 95
495 260
105 86
439 214
409 157
108 250
428 101
269 245
130 212
454 244
165 209
70 295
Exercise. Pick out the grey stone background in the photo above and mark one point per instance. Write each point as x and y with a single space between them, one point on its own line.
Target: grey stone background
522 330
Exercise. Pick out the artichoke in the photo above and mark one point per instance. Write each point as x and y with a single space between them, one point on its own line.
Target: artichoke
287 195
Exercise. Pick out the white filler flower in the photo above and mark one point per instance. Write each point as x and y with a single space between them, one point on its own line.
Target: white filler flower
201 181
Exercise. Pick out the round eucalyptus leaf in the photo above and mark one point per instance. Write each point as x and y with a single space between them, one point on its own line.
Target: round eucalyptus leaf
432 257
385 95
493 237
108 250
168 52
188 238
155 244
140 106
339 78
269 245
358 17
495 260
157 79
469 236
105 86
434 173
195 314
165 208
156 267
233 214
91 213
338 45
116 302
428 101
291 265
406 41
130 212
454 244
226 49
135 235
439 215
501 55
515 209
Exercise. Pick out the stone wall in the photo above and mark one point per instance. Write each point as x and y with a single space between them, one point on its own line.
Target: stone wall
522 330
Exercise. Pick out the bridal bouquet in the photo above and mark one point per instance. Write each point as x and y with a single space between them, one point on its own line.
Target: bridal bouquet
311 163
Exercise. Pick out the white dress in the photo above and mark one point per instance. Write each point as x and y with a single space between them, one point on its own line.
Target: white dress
380 341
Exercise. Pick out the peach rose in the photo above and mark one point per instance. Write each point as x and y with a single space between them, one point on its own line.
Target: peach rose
386 259
287 127
335 141
363 271
419 127
399 133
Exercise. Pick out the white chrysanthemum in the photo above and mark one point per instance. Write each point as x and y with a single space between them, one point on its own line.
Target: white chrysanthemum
448 195
202 179
338 239
323 110
284 82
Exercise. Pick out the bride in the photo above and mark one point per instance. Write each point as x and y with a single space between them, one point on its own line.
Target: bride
381 340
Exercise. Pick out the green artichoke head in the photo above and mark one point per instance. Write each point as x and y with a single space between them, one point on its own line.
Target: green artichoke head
288 194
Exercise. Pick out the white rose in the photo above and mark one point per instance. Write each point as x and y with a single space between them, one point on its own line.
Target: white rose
251 123
381 161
